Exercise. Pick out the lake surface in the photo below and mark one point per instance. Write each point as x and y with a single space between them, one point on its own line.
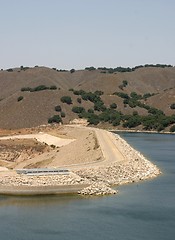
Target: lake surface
144 211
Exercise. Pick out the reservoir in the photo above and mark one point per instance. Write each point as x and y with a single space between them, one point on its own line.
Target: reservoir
144 211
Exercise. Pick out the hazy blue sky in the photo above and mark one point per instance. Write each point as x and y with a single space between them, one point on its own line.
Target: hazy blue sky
78 33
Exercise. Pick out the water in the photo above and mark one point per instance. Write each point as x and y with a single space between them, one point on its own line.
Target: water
140 212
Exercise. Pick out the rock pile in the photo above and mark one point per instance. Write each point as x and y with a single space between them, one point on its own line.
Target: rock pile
51 180
97 189
135 168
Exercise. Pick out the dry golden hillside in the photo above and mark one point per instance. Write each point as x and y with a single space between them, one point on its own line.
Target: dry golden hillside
36 107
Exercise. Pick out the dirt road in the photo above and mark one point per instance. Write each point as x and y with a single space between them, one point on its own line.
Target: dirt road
107 142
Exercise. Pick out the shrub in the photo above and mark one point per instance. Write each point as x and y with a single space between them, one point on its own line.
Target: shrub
20 98
99 106
122 95
53 87
125 83
39 88
78 109
55 119
63 114
132 122
147 95
135 96
93 119
116 122
72 70
98 92
113 106
66 99
79 100
90 110
172 106
71 89
58 108
10 70
90 68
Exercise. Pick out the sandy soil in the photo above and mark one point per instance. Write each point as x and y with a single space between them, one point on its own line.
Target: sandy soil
70 146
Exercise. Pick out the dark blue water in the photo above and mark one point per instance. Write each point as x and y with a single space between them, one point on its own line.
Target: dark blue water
144 211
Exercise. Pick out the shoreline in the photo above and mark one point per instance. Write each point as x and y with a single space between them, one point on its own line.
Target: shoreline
128 166
140 131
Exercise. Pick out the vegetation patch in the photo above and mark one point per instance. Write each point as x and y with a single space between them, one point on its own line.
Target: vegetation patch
38 88
66 99
128 69
20 98
55 119
172 106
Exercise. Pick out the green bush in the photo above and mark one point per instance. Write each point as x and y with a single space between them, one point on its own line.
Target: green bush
79 100
63 114
20 98
90 110
71 89
116 122
55 119
90 68
132 122
53 87
38 88
78 109
135 96
125 83
113 106
72 70
122 95
66 99
58 108
172 106
93 119
10 70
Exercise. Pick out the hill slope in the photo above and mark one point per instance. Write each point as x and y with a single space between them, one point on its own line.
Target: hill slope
37 107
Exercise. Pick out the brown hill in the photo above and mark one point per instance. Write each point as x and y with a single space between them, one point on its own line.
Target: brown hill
36 107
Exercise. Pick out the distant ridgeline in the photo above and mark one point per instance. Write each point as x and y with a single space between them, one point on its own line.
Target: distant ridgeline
103 69
128 69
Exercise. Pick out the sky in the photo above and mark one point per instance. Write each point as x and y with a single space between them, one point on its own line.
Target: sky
79 33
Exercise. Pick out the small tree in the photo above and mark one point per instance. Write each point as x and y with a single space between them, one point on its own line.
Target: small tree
79 100
55 119
20 98
78 109
172 106
53 87
72 70
58 108
66 99
63 114
113 106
